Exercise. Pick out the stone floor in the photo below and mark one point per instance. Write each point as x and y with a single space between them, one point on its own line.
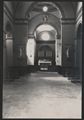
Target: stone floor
41 95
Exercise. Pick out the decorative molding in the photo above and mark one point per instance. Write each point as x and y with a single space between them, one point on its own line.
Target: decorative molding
21 21
5 6
9 38
8 15
45 42
17 23
68 21
30 36
68 44
79 10
57 5
20 45
79 15
8 12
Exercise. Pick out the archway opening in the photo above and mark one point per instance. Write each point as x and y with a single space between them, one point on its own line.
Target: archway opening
45 37
45 32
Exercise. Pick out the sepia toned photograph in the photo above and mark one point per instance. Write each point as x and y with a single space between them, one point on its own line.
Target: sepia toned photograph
42 59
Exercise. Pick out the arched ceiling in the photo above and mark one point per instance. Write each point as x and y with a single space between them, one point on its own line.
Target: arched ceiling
21 8
45 32
38 7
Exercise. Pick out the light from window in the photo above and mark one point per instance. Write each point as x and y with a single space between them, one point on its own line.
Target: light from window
45 36
45 9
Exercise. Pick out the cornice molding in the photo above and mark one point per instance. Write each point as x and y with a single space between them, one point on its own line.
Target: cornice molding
68 21
20 21
45 42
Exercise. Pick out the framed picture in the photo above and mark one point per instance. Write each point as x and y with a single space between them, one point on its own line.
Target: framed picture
42 59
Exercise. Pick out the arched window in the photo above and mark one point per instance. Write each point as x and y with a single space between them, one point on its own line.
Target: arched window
45 32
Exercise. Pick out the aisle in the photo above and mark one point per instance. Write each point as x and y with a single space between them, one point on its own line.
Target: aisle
41 95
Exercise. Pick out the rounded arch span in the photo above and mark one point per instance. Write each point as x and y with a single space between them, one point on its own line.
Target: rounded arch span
54 4
45 29
38 20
